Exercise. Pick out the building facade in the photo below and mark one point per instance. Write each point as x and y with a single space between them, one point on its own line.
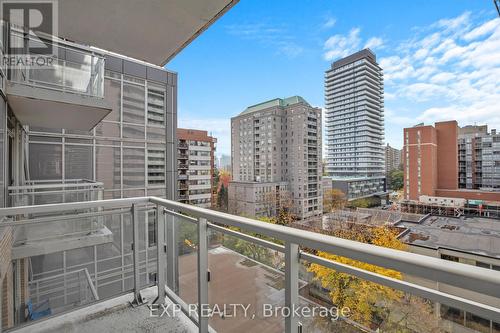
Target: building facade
127 151
354 124
96 125
470 241
431 164
392 159
478 158
196 155
81 122
276 159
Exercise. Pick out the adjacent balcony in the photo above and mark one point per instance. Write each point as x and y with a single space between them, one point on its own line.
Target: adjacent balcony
65 90
41 192
52 235
206 267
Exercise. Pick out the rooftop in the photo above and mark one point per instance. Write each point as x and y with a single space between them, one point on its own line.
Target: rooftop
281 102
473 234
363 54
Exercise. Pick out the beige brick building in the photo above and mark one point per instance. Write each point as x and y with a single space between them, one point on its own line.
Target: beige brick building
276 158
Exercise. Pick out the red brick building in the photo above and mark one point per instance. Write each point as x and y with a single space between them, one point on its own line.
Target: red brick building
430 159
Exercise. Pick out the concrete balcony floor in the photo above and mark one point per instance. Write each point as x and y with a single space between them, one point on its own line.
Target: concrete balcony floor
114 315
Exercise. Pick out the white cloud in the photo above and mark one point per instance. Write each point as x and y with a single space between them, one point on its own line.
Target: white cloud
452 68
274 36
339 46
483 29
374 43
442 77
455 24
329 23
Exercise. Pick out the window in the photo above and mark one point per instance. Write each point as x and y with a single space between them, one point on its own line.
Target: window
450 258
78 162
482 264
477 323
151 228
156 107
452 314
133 103
45 161
156 167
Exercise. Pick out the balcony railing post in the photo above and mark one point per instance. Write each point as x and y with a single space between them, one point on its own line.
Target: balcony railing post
161 254
135 232
172 253
291 286
202 274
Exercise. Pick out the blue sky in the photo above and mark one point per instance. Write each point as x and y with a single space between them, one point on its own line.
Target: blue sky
441 60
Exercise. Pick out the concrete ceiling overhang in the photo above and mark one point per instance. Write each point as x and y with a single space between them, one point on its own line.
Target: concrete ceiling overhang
150 30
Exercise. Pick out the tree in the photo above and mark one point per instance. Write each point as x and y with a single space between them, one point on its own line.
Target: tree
285 214
222 198
395 180
269 203
349 291
410 314
333 199
364 202
249 249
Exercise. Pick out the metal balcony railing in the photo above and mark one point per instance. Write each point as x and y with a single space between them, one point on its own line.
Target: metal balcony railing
40 192
64 291
297 247
73 69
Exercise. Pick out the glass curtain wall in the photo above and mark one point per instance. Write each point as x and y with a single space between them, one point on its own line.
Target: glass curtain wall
125 151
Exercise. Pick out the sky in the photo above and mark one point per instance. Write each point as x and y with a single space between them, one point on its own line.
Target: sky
441 60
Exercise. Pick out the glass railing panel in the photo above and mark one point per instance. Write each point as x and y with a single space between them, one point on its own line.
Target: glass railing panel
246 284
187 260
70 68
64 272
356 305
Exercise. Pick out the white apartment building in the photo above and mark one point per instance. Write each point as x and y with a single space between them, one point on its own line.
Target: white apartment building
354 97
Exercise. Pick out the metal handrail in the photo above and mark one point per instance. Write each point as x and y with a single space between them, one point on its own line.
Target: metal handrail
47 185
476 279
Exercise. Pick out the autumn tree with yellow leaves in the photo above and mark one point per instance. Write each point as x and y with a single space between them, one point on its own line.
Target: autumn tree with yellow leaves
365 299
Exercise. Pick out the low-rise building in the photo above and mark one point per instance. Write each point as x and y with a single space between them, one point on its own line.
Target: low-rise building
472 241
359 188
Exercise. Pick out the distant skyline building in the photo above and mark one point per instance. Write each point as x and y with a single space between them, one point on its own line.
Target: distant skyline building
276 159
354 125
224 162
196 161
392 159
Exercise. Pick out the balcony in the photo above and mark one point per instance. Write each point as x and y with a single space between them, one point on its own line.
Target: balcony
133 263
51 237
66 93
41 192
